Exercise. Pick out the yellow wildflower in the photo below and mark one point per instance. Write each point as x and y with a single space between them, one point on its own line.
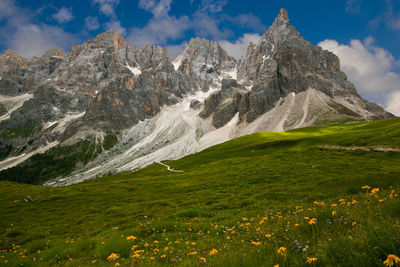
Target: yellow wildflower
282 251
312 221
311 260
112 257
213 252
391 260
319 203
256 243
375 191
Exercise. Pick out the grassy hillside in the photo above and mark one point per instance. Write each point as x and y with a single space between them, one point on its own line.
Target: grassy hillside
236 204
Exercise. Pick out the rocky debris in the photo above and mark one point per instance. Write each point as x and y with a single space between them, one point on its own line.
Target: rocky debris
195 104
106 85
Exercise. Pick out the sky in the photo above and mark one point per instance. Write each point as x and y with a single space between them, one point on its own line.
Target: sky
365 34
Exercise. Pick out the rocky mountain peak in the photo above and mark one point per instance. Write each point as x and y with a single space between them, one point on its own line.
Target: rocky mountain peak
203 58
108 39
282 18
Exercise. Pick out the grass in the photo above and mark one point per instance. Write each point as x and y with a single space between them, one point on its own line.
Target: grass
245 198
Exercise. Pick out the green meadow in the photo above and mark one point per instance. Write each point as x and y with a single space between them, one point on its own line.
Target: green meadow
258 200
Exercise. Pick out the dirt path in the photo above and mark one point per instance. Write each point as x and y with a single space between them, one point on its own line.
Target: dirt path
364 148
168 167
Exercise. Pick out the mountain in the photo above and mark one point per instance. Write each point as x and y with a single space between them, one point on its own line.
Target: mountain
108 106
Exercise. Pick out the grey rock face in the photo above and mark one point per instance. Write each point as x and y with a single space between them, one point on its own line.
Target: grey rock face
204 61
283 62
106 85
232 98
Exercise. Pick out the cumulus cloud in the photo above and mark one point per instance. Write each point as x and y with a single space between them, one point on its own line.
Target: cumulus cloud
238 48
370 68
389 17
7 9
212 6
158 8
205 22
20 32
33 40
116 26
393 104
159 30
92 23
63 15
107 6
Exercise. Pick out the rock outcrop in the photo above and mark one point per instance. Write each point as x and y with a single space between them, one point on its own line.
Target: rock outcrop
158 109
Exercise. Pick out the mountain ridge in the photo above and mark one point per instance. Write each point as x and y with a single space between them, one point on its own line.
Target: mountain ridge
134 106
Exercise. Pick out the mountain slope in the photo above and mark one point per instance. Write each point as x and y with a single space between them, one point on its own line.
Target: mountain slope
130 107
245 198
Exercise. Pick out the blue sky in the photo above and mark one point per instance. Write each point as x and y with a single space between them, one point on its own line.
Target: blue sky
365 34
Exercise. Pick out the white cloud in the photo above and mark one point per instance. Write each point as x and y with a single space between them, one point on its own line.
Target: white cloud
92 23
205 22
158 8
116 26
212 6
20 33
159 30
370 68
107 7
238 48
63 15
7 9
389 17
33 40
393 104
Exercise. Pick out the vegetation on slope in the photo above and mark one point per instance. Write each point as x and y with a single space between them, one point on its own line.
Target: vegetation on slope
58 161
236 204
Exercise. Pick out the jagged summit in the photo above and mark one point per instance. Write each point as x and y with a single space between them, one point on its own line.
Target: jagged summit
153 109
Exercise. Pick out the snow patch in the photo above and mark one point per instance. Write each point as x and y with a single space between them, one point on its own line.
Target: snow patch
177 62
232 74
135 71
